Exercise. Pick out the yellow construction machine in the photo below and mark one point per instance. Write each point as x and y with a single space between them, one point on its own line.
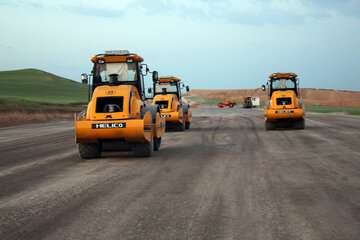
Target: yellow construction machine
285 105
174 108
117 113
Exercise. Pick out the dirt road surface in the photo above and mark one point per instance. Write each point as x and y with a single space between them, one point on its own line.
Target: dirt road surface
226 178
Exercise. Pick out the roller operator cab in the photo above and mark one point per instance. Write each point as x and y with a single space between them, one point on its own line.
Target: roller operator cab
285 105
116 114
174 108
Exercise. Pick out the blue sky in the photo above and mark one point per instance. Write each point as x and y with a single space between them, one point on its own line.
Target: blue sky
210 44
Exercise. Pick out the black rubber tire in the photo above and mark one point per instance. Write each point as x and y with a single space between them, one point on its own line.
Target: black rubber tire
269 126
157 144
144 149
89 150
300 124
187 125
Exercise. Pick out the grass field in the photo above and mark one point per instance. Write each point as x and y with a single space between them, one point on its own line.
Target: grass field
35 96
326 109
204 101
16 104
30 87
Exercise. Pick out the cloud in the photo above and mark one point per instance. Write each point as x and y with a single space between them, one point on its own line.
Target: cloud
230 11
344 7
90 8
194 34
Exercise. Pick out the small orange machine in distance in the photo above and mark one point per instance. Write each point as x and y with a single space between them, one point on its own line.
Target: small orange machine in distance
116 113
173 107
227 104
284 101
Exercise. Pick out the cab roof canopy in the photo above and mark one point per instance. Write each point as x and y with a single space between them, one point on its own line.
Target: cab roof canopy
117 56
169 79
275 76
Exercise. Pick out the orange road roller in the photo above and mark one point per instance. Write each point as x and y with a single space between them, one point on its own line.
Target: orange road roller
173 107
117 114
285 105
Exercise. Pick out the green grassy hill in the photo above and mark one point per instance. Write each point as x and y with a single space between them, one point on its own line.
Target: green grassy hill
39 87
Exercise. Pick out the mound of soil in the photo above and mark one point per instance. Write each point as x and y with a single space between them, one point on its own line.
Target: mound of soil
324 97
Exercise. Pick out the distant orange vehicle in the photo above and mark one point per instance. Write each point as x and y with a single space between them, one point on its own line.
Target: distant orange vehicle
227 104
285 104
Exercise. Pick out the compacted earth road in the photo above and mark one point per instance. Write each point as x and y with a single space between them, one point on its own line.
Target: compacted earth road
226 178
